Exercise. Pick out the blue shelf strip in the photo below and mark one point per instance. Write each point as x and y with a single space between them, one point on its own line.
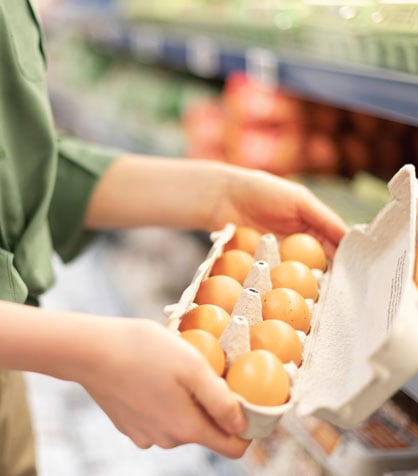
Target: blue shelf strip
384 93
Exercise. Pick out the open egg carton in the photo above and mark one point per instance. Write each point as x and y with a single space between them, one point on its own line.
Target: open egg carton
246 313
361 347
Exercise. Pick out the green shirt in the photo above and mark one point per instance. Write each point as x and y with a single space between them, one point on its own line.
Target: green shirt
46 181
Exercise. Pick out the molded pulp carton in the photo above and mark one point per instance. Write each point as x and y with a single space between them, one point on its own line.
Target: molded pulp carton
362 346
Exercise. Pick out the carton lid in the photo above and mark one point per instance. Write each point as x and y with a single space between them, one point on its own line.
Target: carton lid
363 343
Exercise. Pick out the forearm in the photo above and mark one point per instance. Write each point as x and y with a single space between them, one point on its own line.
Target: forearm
55 343
141 191
199 194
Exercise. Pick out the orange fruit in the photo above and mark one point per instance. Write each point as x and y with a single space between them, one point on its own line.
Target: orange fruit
208 317
259 377
221 290
245 238
295 275
305 248
287 305
234 263
278 337
209 346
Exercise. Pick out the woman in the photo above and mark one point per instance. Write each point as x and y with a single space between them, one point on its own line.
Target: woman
54 192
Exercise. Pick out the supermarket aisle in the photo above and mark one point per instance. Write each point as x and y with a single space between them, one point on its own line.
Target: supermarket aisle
129 274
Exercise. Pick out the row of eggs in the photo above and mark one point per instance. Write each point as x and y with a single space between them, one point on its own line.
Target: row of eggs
254 336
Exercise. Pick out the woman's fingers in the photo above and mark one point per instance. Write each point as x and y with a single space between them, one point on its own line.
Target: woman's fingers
177 400
210 435
187 419
213 394
283 207
204 418
321 221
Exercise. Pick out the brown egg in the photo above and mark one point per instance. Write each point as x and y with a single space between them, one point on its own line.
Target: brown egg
245 238
208 317
234 263
259 377
295 275
278 337
209 346
221 290
287 305
304 248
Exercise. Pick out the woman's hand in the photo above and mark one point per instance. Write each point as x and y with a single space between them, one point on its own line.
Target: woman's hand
273 204
154 386
157 389
202 194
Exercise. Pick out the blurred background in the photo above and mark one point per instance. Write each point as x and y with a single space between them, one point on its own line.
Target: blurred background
320 91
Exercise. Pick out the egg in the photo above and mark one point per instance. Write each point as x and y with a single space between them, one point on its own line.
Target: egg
234 263
295 275
278 337
209 317
287 305
245 238
260 378
221 290
209 346
305 248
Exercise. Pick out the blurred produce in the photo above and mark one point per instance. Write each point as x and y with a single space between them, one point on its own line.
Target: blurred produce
241 22
337 30
245 122
355 152
322 117
204 126
262 125
258 125
378 33
95 92
393 30
321 153
277 150
250 101
155 110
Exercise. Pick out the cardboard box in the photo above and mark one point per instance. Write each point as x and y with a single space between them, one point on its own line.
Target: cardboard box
362 346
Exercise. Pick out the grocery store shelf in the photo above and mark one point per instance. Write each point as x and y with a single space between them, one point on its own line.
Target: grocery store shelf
380 92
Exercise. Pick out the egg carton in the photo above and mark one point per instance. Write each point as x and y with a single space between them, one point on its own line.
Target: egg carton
361 347
246 312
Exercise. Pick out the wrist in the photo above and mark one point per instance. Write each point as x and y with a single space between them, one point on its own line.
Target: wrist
55 343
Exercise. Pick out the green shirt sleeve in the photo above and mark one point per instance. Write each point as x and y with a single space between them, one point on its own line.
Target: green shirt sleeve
80 166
